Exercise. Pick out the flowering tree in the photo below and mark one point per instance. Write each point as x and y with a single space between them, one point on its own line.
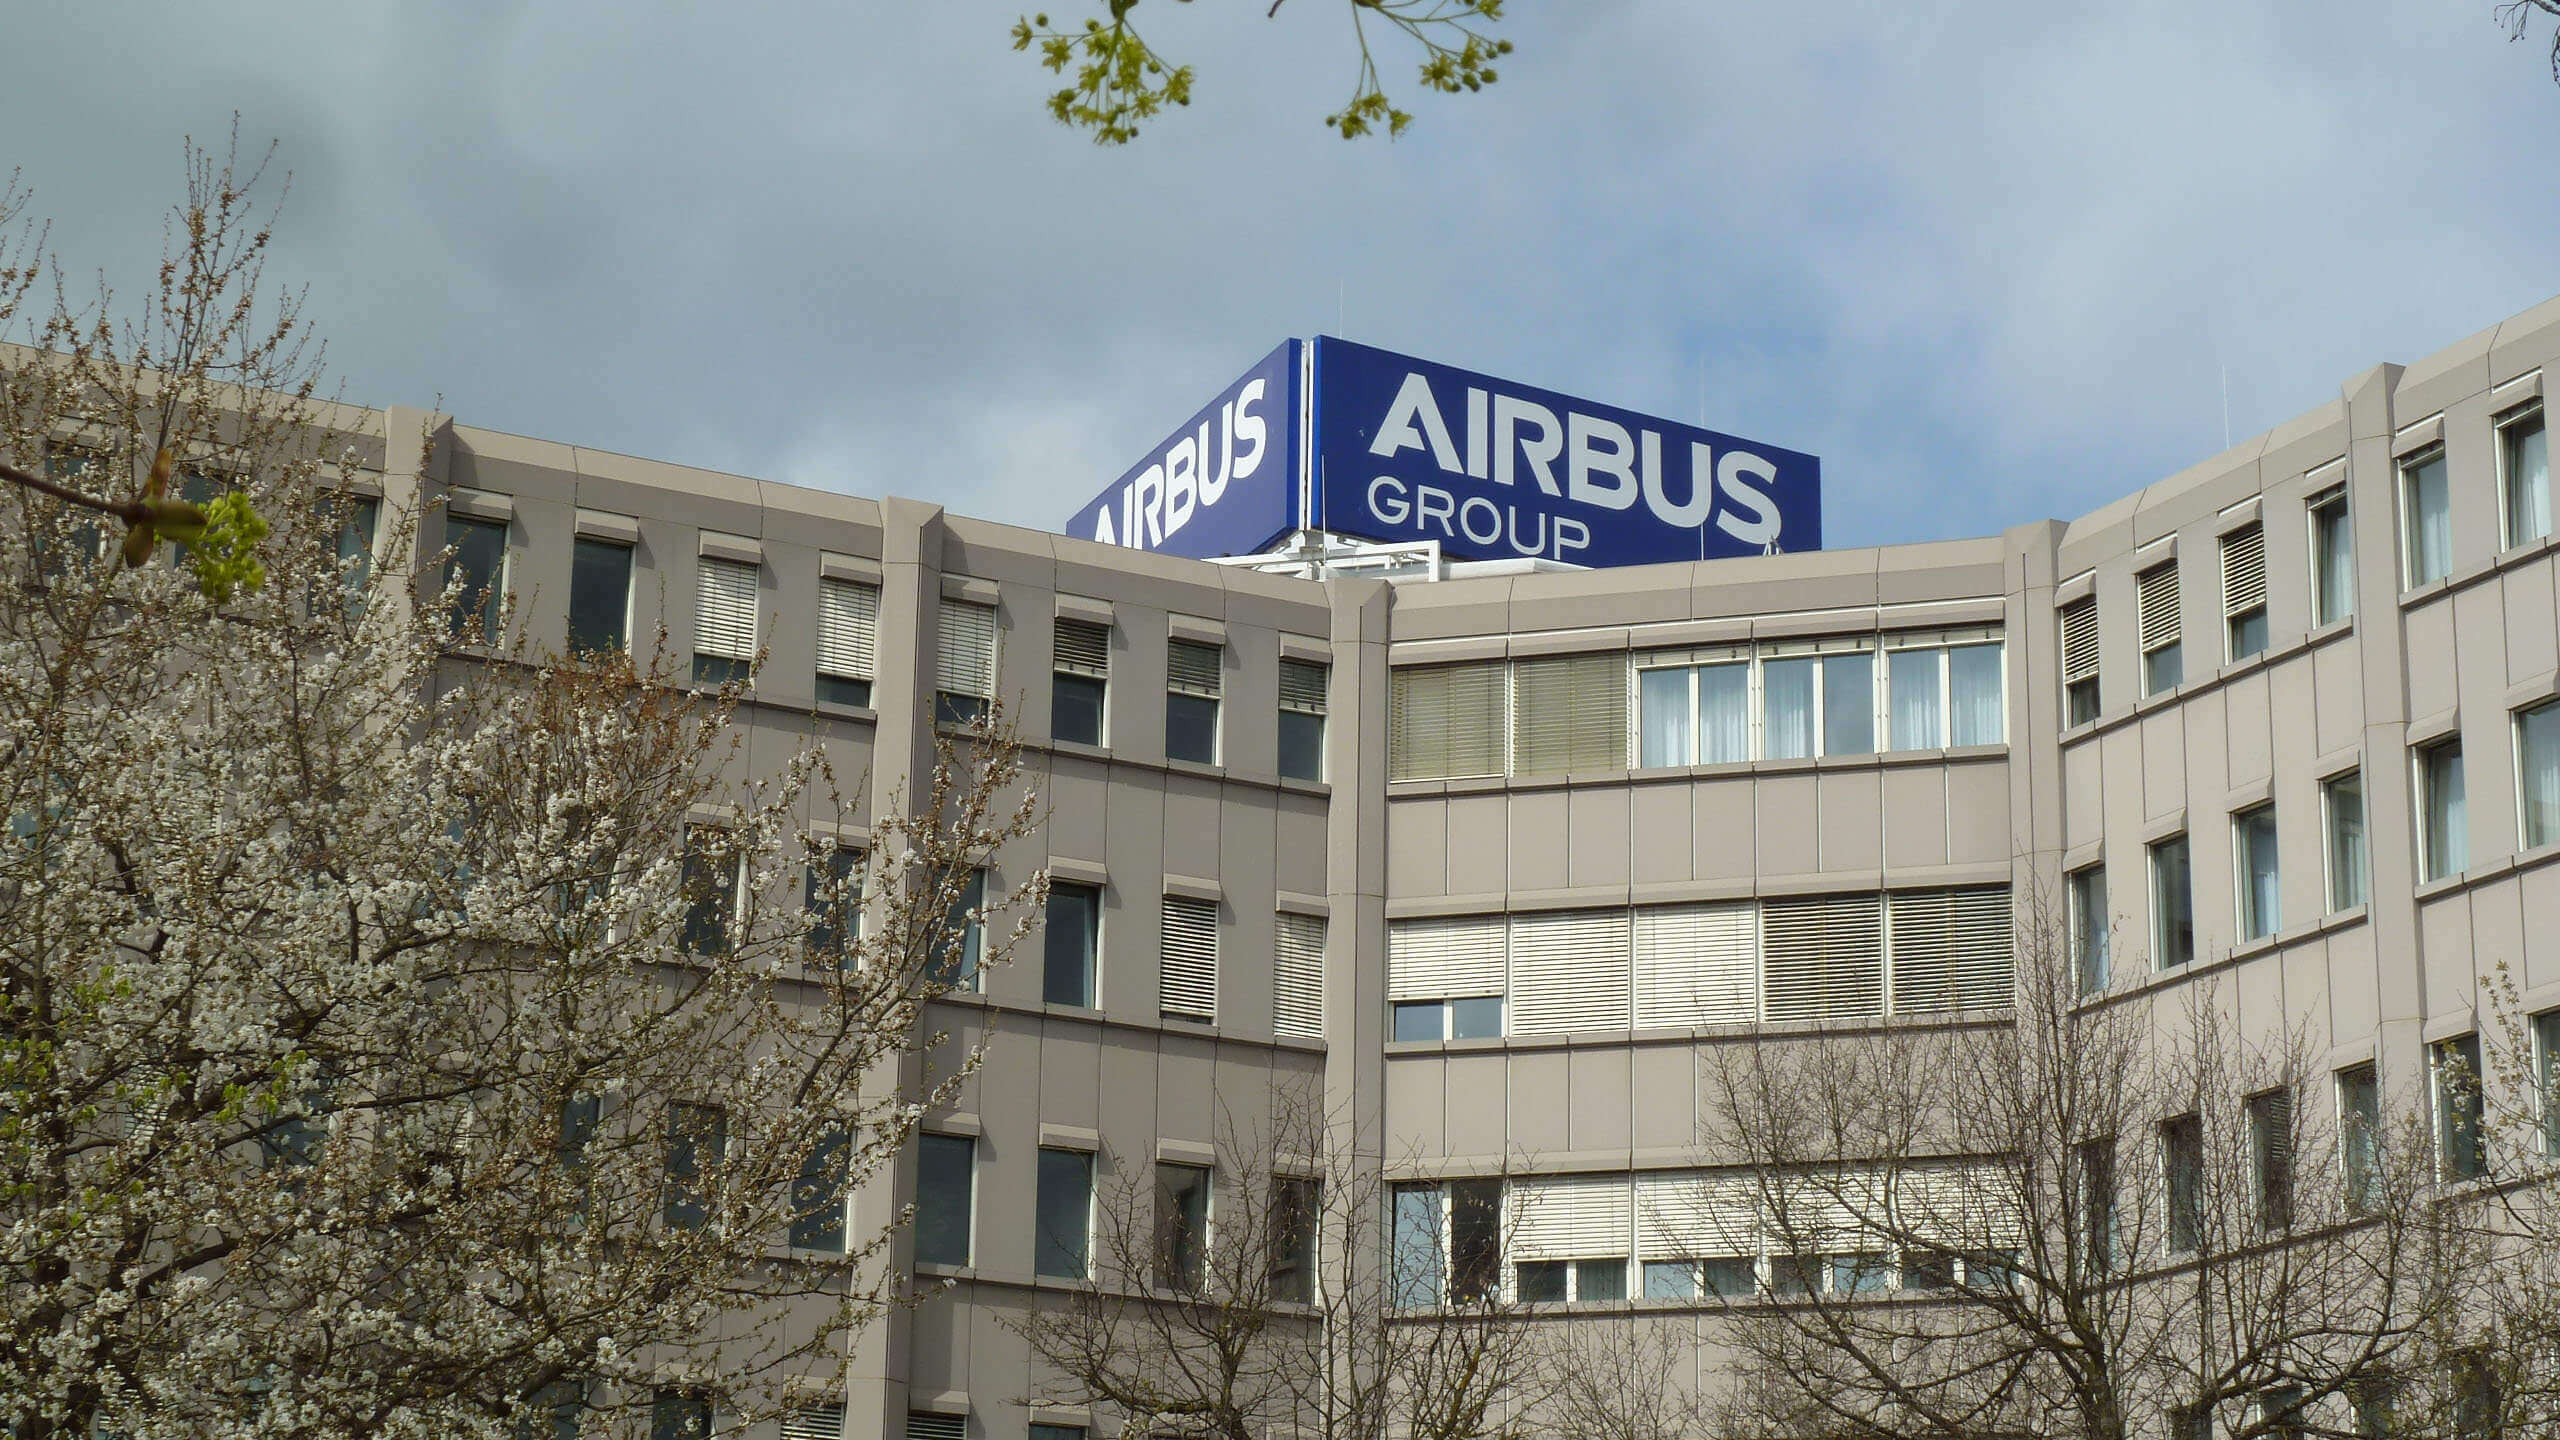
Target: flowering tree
396 1042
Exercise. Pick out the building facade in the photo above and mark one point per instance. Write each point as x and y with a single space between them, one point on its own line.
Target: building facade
1494 863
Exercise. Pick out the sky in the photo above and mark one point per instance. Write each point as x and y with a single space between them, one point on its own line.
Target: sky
1992 261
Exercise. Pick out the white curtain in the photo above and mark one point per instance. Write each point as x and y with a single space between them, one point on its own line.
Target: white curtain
2430 523
1911 679
1663 696
2337 564
1724 714
1973 685
1786 700
2540 744
2528 482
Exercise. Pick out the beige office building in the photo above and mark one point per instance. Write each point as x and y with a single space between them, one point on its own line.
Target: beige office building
1499 859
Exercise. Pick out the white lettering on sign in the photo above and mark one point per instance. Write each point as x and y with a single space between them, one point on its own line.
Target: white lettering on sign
1179 483
1429 512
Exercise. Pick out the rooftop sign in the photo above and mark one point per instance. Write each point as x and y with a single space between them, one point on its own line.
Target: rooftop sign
1359 441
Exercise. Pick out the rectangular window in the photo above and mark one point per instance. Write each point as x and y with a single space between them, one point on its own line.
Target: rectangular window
1569 712
1950 950
1977 711
2546 1078
2426 519
475 577
1666 718
1057 1432
2079 621
1296 1205
599 597
1065 1214
724 620
2342 822
1697 965
711 884
833 898
1849 704
1415 1253
848 641
1302 703
2244 592
1912 698
2098 1204
679 1415
2271 1152
1081 657
1297 976
2182 1179
2478 1401
2089 927
809 1422
1544 1281
354 518
2253 846
2156 612
2444 836
2333 557
946 1198
1695 715
1822 957
1447 722
1786 709
1192 688
697 1138
2372 1398
818 1196
2173 910
1433 966
2454 1070
2360 1136
2538 772
1472 1018
1187 959
1182 1226
2524 474
958 947
1671 1279
1475 1239
1724 714
964 663
931 1425
1071 944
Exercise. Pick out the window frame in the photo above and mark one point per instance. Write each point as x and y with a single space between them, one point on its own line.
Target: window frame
1175 694
1041 1239
2331 500
2236 617
580 545
2173 648
2090 933
1316 713
2248 923
1091 959
2406 471
2507 429
2517 723
2443 851
2333 872
2470 1161
968 1207
2160 927
491 618
2359 1132
1063 675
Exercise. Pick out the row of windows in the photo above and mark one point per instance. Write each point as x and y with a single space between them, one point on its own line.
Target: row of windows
2523 446
1079 690
1727 704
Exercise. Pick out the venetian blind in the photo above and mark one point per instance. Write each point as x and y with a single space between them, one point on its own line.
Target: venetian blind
1083 648
1192 667
848 629
2244 571
1445 959
1697 965
1693 1216
2080 639
1448 721
1822 957
1571 714
964 650
1951 950
2156 591
725 608
1570 970
1577 1217
1302 685
1297 976
814 1422
1187 958
923 1425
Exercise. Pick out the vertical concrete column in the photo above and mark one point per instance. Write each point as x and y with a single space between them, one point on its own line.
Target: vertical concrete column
2034 661
1355 962
902 754
417 452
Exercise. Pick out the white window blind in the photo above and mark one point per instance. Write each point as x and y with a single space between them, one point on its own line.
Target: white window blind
1829 1210
1187 957
2080 639
1822 957
1445 959
964 649
2156 590
814 1422
1192 668
1449 721
1697 965
1570 970
1970 1207
1577 1217
1297 976
725 608
922 1425
1692 1216
1302 685
1083 648
848 629
2244 571
1571 714
1951 950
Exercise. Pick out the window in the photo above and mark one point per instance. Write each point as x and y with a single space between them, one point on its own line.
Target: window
475 576
2182 1177
815 1422
2477 1398
2098 1204
2173 910
2342 823
697 1137
2271 1152
1950 950
2089 926
2280 1411
1912 684
1072 941
1065 1214
1475 1239
1696 715
2538 772
833 898
599 597
579 1117
679 1415
2454 1070
1297 976
1446 1242
1446 978
848 641
2244 592
1849 704
1302 699
1182 1226
2360 1136
1296 1205
711 884
1574 1281
1449 721
1474 1018
2156 612
355 519
2080 661
2372 1398
818 1196
1414 1249
2333 557
2253 846
1081 657
1057 1432
1977 704
294 1137
931 1425
1187 959
1192 686
2444 841
2546 1077
1569 712
2524 474
964 663
959 947
1697 965
1938 695
724 620
1671 1279
2426 519
946 1198
1822 957
2191 1422
1786 709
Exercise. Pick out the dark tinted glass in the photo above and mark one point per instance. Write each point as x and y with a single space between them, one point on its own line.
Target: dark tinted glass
838 690
697 1136
1065 1214
720 670
1542 1280
1475 1238
1301 745
817 1197
1075 924
1075 709
599 596
961 710
945 1177
835 910
472 576
1191 728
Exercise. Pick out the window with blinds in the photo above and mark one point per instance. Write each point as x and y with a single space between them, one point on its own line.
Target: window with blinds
814 1422
1302 700
1950 950
2156 617
2080 660
1569 972
1083 648
724 623
1080 659
1187 959
1192 683
1444 959
1573 1217
848 641
1302 686
1689 1216
2244 590
1696 965
1192 668
1297 976
1822 957
1570 713
927 1425
964 662
1449 722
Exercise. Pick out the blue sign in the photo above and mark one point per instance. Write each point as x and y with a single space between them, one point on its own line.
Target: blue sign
1409 450
1224 484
